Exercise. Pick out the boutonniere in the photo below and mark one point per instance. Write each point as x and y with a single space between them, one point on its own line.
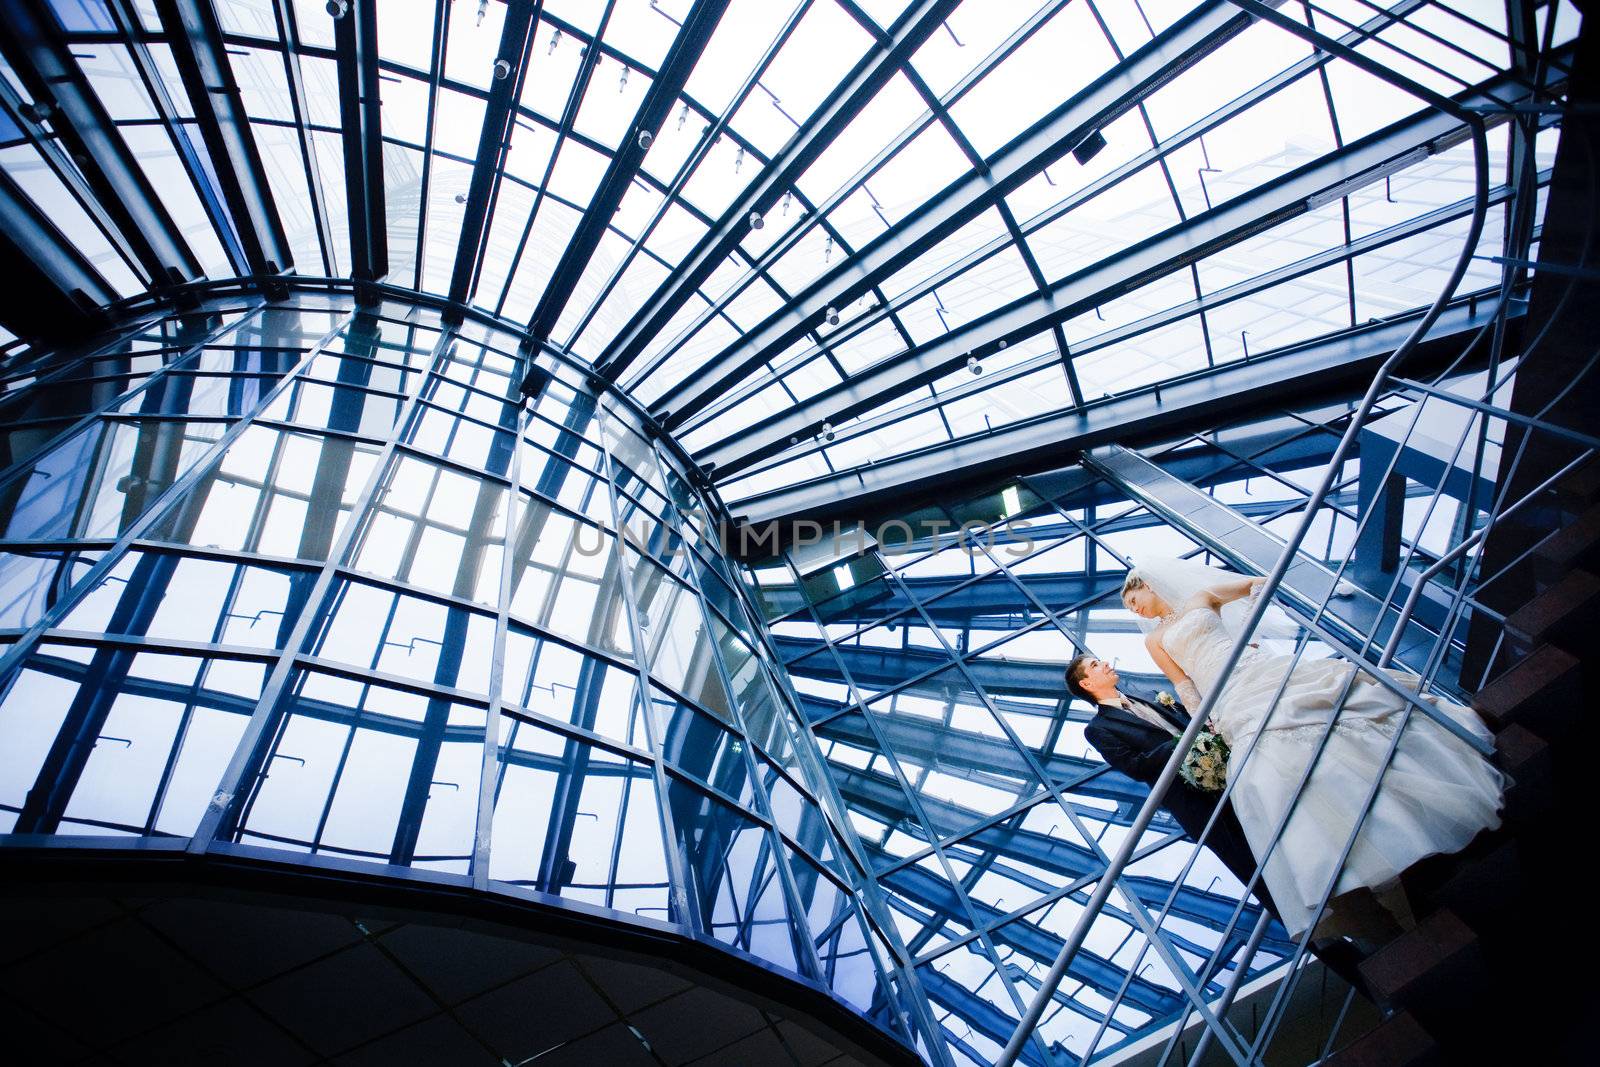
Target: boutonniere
1165 699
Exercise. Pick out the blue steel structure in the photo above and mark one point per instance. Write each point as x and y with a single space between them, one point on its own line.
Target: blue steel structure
370 413
315 585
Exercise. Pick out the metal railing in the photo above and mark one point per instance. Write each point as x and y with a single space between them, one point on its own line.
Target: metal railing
1453 575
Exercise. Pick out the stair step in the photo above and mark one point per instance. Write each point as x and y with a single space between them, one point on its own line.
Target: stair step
1435 971
1563 614
1581 487
1540 690
1526 758
1574 545
1488 891
1399 1041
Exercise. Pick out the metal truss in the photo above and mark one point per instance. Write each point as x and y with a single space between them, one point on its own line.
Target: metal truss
1115 93
1324 181
913 28
62 97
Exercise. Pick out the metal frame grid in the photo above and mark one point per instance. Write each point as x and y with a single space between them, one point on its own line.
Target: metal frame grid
905 187
929 669
273 571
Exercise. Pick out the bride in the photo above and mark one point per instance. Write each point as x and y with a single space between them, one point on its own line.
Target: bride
1437 793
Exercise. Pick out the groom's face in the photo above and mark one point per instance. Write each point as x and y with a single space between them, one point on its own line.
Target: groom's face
1099 676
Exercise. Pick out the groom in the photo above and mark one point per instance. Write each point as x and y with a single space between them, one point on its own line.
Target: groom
1136 736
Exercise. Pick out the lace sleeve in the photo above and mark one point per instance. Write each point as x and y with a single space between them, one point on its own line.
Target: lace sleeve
1189 695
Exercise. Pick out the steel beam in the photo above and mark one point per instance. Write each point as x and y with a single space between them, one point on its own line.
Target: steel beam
355 35
53 292
910 31
1205 399
861 323
195 35
494 141
1337 254
1115 93
686 50
289 34
1305 189
33 42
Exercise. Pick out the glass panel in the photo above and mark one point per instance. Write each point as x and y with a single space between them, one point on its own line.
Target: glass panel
565 578
437 528
551 679
32 582
163 729
675 634
375 629
365 770
102 479
273 492
697 745
578 821
734 875
174 598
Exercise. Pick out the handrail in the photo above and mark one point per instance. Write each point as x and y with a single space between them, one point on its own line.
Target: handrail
1313 621
1476 130
1455 553
1497 412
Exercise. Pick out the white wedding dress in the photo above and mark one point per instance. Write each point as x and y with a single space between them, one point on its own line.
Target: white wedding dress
1436 796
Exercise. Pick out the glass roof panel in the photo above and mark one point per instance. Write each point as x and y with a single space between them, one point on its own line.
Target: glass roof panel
854 217
1066 54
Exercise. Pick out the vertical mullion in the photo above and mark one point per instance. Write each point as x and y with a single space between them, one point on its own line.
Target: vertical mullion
688 907
488 777
809 962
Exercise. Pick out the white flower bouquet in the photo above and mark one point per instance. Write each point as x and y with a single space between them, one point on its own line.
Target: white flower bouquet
1206 765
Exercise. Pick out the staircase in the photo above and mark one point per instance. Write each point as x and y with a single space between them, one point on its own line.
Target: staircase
1493 972
1494 930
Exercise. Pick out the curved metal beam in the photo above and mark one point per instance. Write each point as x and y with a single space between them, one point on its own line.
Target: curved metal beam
32 40
1116 92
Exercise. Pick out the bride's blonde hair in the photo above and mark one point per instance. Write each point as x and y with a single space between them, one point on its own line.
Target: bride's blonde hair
1130 583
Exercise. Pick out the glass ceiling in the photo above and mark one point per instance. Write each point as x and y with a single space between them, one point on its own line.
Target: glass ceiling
955 91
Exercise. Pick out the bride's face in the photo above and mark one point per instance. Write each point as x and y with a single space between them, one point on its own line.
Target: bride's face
1144 603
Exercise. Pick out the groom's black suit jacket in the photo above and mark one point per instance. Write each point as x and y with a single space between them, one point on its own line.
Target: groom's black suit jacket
1139 750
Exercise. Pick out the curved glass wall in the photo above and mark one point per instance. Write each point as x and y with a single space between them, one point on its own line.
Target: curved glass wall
317 585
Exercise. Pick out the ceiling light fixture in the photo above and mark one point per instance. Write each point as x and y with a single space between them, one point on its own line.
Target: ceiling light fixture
1089 147
502 69
646 139
831 316
756 221
338 8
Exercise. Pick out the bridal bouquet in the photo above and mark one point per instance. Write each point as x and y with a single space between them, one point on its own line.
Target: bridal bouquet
1206 765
